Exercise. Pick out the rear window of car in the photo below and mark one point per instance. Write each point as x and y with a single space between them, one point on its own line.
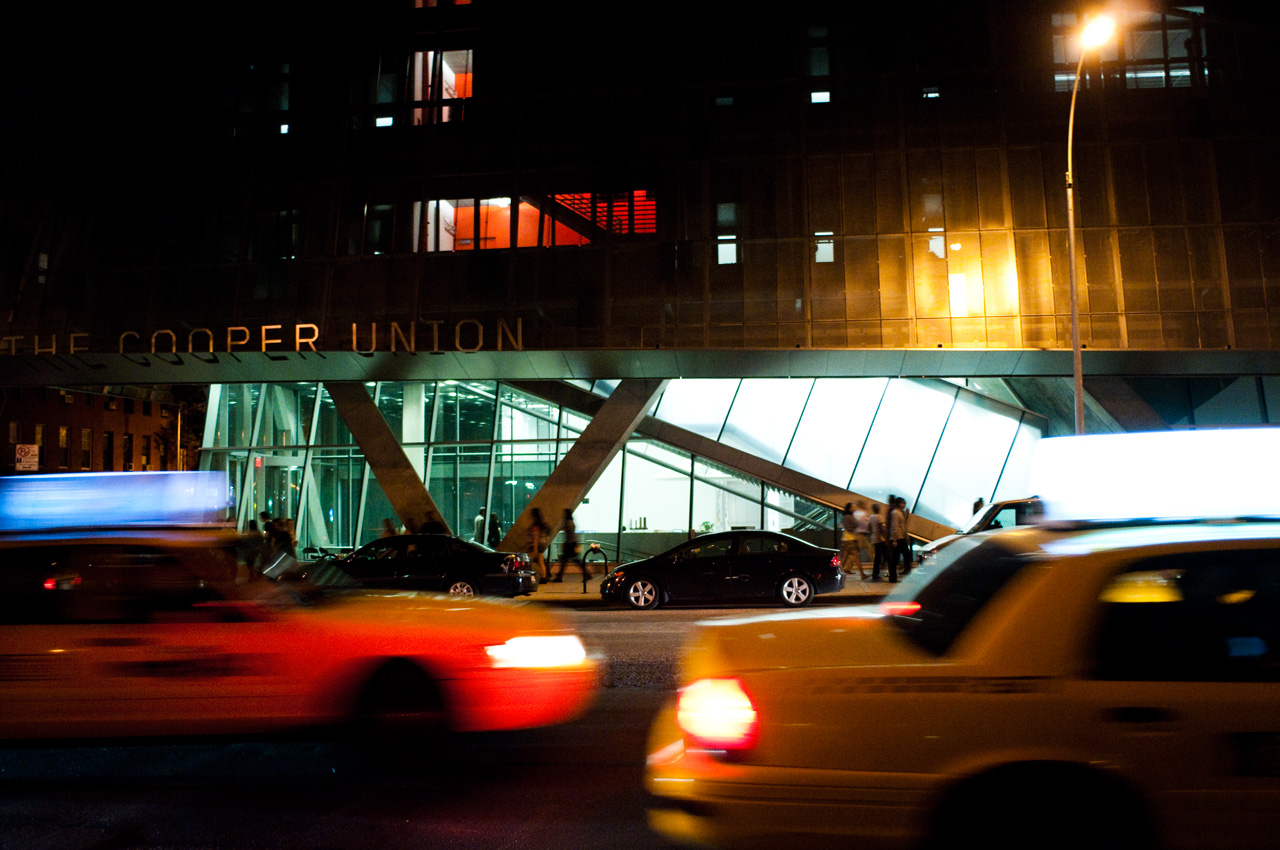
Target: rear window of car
950 597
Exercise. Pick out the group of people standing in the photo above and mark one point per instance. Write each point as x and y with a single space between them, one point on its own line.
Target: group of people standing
880 538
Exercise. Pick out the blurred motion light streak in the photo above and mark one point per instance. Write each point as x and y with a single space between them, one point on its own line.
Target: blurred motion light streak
74 500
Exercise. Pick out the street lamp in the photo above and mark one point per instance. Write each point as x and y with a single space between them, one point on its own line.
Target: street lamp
1095 33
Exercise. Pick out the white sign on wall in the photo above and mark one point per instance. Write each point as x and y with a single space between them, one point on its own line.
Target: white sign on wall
28 458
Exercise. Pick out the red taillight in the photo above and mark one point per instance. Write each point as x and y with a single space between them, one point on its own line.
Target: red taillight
901 609
835 560
61 583
717 714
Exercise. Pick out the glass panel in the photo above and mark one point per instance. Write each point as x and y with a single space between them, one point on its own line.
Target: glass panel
597 516
1223 402
466 411
968 461
834 427
336 477
1271 390
764 416
235 416
331 430
520 470
728 479
571 424
1015 480
792 514
908 426
460 478
377 507
526 418
655 508
287 419
698 404
723 499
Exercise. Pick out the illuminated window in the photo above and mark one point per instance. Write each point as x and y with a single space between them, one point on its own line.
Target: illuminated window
468 224
820 97
64 446
726 251
824 247
440 82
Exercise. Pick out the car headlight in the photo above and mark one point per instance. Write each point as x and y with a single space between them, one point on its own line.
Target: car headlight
534 651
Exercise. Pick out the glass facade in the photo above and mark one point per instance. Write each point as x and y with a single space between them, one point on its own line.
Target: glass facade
485 444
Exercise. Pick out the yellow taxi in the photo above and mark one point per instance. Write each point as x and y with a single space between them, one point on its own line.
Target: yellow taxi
1103 680
138 631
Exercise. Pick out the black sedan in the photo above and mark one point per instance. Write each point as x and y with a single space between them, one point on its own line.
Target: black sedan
435 562
748 566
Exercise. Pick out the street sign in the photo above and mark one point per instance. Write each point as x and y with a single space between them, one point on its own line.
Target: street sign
28 458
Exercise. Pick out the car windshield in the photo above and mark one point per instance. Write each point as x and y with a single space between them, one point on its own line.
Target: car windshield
935 605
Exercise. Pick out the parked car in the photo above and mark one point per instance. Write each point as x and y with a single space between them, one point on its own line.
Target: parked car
728 566
146 632
1006 514
432 562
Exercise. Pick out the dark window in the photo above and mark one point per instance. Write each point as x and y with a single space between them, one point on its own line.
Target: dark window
108 451
86 448
1207 617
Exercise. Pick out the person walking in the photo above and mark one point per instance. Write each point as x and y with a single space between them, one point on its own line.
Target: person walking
495 531
904 544
569 546
897 535
847 541
537 541
479 526
879 541
389 528
861 537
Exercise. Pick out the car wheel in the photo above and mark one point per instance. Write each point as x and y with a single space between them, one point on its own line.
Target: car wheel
1060 807
401 720
643 594
796 591
462 587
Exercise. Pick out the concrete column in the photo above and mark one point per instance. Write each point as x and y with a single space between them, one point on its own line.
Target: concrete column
583 465
386 457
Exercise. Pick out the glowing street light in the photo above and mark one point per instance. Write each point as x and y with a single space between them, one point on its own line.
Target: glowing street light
1096 32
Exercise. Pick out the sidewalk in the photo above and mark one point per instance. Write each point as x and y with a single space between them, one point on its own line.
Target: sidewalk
569 592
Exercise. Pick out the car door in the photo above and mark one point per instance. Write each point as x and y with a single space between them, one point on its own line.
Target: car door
120 640
425 564
1183 692
373 565
701 569
760 561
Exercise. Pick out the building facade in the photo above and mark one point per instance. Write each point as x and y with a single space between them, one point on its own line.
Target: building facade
411 192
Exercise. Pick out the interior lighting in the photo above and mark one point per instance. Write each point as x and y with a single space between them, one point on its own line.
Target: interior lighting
384 121
717 714
820 97
284 129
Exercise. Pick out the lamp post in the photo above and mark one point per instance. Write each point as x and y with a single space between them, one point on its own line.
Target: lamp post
1095 33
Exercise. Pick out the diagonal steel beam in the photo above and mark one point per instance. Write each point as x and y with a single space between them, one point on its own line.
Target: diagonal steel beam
386 457
585 462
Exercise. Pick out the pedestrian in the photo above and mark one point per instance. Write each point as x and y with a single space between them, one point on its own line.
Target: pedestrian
569 546
495 530
908 560
537 541
389 528
879 540
861 537
434 524
479 526
977 505
847 526
897 535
